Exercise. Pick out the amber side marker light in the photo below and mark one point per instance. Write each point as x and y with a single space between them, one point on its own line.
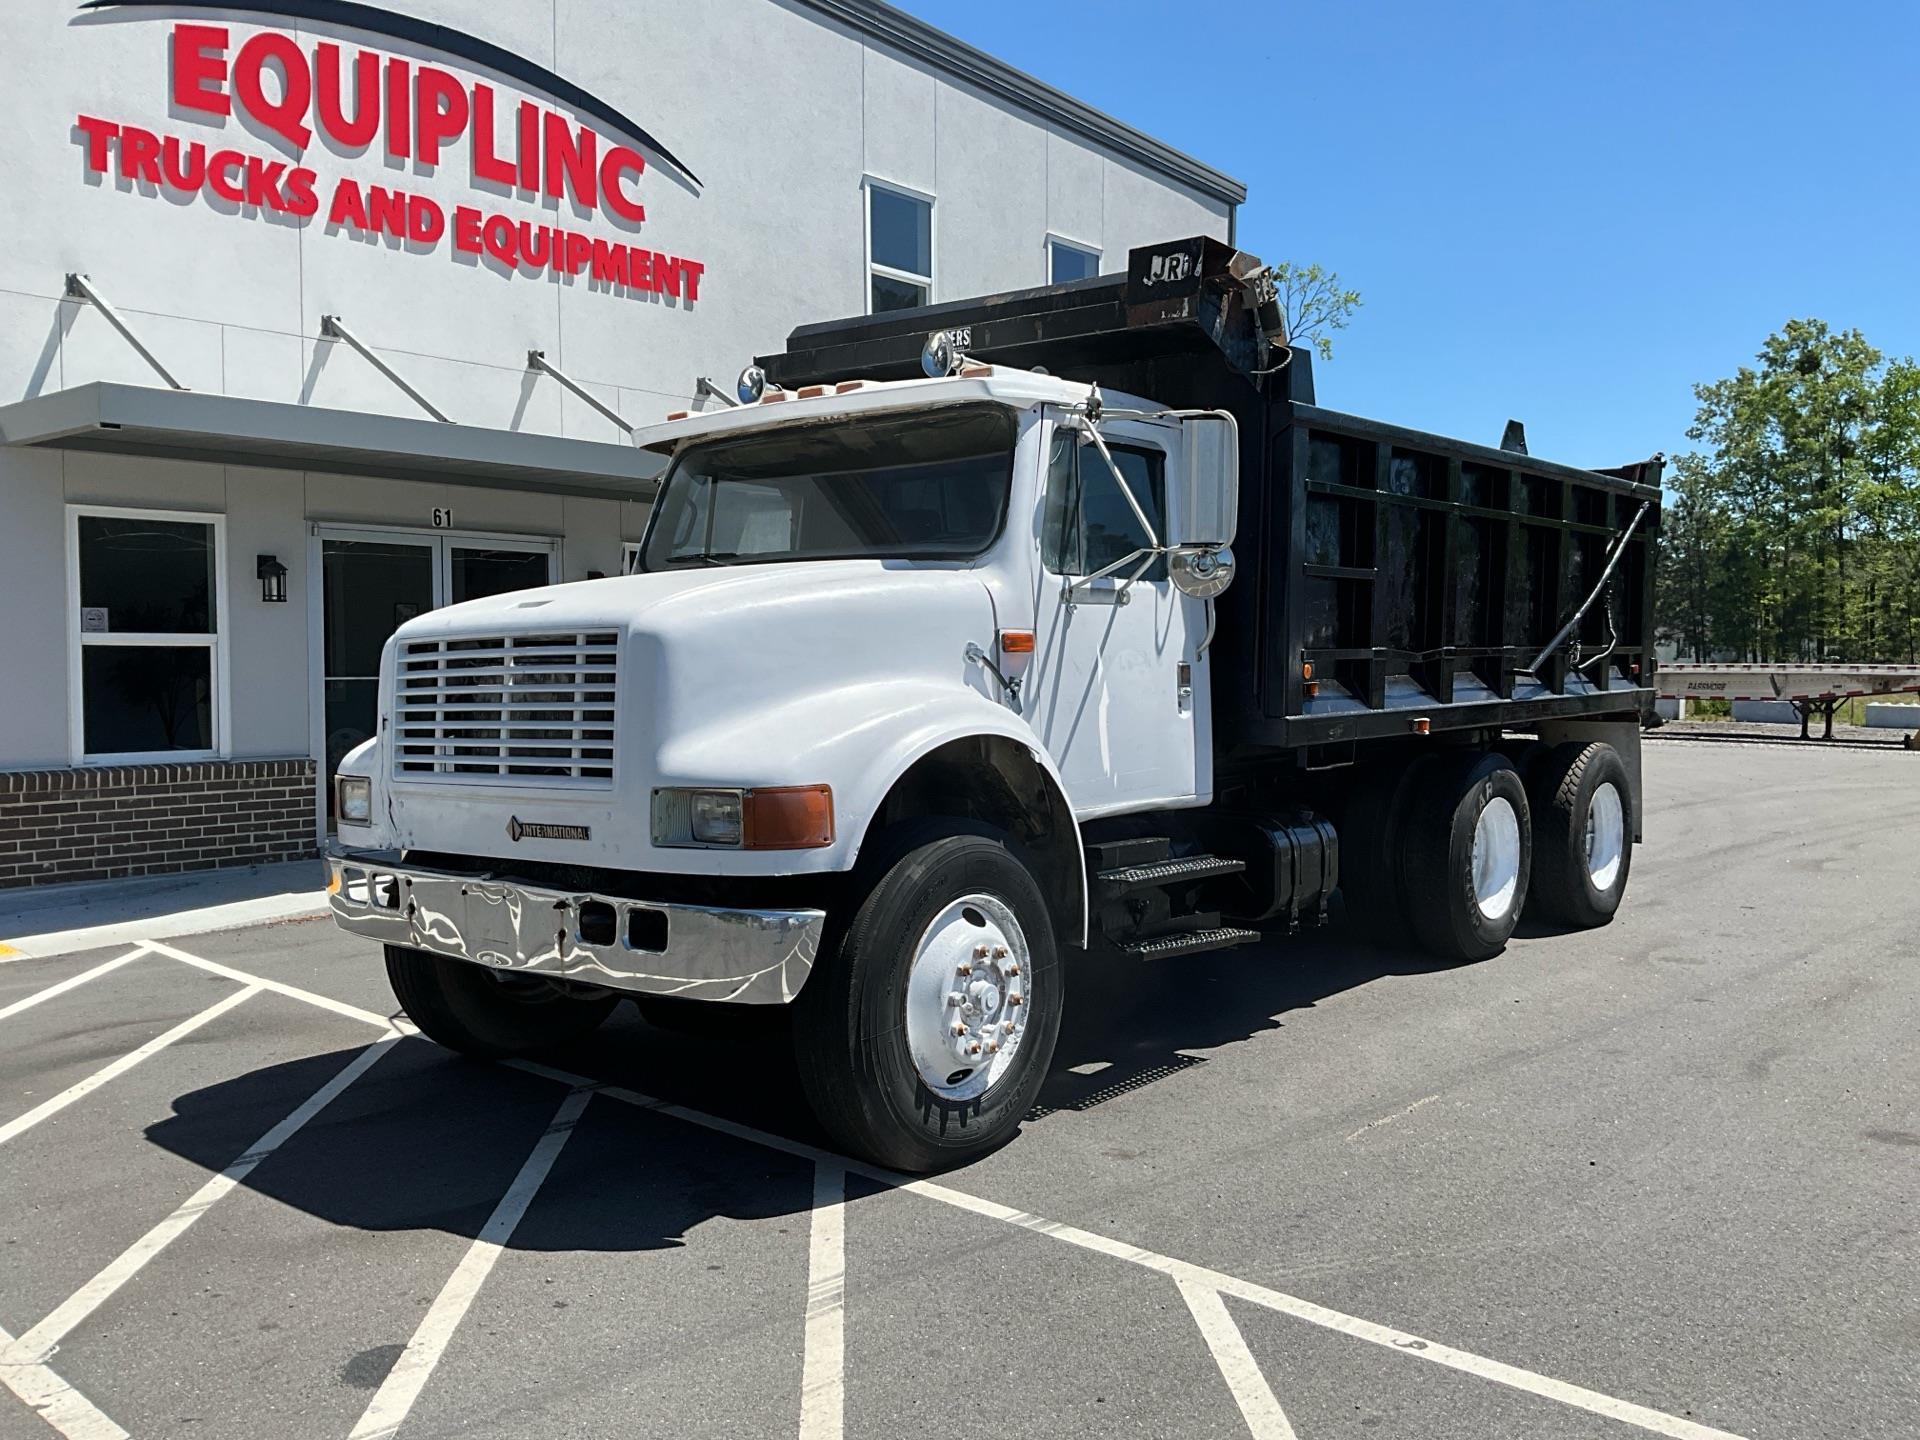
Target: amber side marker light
788 817
1016 642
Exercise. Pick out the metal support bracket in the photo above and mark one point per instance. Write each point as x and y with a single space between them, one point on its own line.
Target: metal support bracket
81 287
703 386
333 327
537 360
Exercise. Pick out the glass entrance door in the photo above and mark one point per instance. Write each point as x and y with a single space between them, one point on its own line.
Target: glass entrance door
372 582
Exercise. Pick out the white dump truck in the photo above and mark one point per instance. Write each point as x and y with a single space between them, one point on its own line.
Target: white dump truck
938 678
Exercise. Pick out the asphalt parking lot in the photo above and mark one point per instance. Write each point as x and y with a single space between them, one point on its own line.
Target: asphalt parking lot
1658 1178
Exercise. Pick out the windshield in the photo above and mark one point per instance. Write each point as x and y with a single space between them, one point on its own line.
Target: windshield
931 485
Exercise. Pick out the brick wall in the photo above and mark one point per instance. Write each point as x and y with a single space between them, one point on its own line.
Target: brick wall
108 823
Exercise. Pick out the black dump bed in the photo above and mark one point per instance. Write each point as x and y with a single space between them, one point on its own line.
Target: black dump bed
1390 581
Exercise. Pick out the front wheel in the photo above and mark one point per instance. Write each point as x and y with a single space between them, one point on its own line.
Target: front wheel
923 1039
488 1014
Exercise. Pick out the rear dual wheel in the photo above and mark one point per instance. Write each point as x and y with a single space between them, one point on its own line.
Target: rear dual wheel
1467 856
1583 833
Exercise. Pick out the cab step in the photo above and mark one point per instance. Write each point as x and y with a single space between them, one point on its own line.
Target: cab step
1187 942
1179 870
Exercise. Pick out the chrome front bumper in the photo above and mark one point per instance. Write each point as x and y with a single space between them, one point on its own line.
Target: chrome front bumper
748 957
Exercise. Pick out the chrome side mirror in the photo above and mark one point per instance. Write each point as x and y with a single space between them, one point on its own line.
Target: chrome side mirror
1204 510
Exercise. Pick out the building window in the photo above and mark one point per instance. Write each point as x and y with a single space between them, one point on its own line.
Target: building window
1068 261
899 248
147 603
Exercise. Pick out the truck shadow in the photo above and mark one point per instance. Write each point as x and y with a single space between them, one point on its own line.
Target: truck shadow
427 1141
1129 1024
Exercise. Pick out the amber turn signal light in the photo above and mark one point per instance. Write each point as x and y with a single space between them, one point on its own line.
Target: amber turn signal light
1016 642
788 817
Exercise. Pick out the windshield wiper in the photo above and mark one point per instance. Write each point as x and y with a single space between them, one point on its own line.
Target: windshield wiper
705 557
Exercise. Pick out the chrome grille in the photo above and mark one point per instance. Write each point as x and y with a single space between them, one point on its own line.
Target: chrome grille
532 709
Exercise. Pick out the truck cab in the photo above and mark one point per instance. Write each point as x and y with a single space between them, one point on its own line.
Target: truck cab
910 695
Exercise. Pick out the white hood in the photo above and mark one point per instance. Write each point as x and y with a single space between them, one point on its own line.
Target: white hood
744 675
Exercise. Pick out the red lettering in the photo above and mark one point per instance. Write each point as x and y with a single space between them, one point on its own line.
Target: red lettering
186 171
331 101
98 133
299 192
263 182
440 102
642 270
217 167
579 251
529 145
198 75
499 238
691 271
570 155
609 263
487 164
399 110
466 229
348 207
285 116
139 154
386 210
426 221
535 254
619 161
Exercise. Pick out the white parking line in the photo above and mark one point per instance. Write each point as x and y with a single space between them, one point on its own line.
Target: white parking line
40 1342
1265 1419
388 1409
292 992
53 1400
73 982
823 1370
1399 1341
125 1063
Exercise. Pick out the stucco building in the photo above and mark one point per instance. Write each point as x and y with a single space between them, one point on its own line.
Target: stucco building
307 325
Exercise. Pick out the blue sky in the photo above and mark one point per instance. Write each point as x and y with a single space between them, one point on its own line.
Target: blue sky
1566 212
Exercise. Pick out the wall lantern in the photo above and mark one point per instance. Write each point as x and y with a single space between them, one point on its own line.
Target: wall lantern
273 580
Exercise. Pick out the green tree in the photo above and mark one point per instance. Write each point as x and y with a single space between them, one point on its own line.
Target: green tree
1315 304
1797 530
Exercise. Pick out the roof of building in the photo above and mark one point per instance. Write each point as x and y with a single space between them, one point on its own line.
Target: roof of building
920 41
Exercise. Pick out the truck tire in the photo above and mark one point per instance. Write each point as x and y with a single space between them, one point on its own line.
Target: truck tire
1582 834
486 1015
1371 823
944 915
1467 855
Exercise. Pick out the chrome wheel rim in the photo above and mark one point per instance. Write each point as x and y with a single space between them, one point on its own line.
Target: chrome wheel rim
1606 836
968 993
1496 858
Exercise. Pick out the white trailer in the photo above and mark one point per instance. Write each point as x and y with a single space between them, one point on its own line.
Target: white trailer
1810 689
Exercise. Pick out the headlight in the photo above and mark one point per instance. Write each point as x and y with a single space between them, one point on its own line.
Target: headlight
715 816
785 817
353 799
